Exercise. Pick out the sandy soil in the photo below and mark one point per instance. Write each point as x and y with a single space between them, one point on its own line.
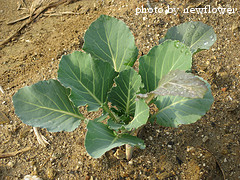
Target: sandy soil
207 149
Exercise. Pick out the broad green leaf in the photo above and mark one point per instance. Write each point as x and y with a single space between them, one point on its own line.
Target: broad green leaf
90 80
100 139
162 59
140 116
176 110
196 35
46 104
124 94
110 40
114 125
180 83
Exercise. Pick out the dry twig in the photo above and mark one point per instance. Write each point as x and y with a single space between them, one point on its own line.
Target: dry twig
17 20
34 15
60 13
40 138
45 14
5 155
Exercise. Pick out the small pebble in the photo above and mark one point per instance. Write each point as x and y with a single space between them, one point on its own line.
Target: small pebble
1 89
10 164
189 148
30 177
205 139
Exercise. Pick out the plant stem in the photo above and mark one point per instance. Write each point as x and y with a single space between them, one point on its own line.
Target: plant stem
111 114
129 148
129 151
149 98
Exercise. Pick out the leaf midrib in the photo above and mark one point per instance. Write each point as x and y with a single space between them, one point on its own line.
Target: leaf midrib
55 110
78 80
200 38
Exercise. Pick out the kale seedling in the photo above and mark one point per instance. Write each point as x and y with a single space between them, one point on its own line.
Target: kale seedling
102 77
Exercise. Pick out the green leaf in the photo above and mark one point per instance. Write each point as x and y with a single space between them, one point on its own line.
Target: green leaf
140 116
46 104
114 125
100 139
109 39
90 80
162 59
180 83
176 110
124 94
196 35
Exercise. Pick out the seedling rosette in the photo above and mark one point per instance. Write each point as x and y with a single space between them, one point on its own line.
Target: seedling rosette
102 77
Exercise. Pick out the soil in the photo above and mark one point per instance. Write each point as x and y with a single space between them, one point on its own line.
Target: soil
207 149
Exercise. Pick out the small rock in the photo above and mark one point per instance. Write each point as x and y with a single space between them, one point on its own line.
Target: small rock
130 162
120 154
190 148
30 177
205 139
224 75
10 164
235 27
1 89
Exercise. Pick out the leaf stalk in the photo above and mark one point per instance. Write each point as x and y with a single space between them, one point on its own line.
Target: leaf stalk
149 98
111 114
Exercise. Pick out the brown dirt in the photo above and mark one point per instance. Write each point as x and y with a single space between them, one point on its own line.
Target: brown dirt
207 149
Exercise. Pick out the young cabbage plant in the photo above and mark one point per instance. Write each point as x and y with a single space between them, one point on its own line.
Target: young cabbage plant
102 77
